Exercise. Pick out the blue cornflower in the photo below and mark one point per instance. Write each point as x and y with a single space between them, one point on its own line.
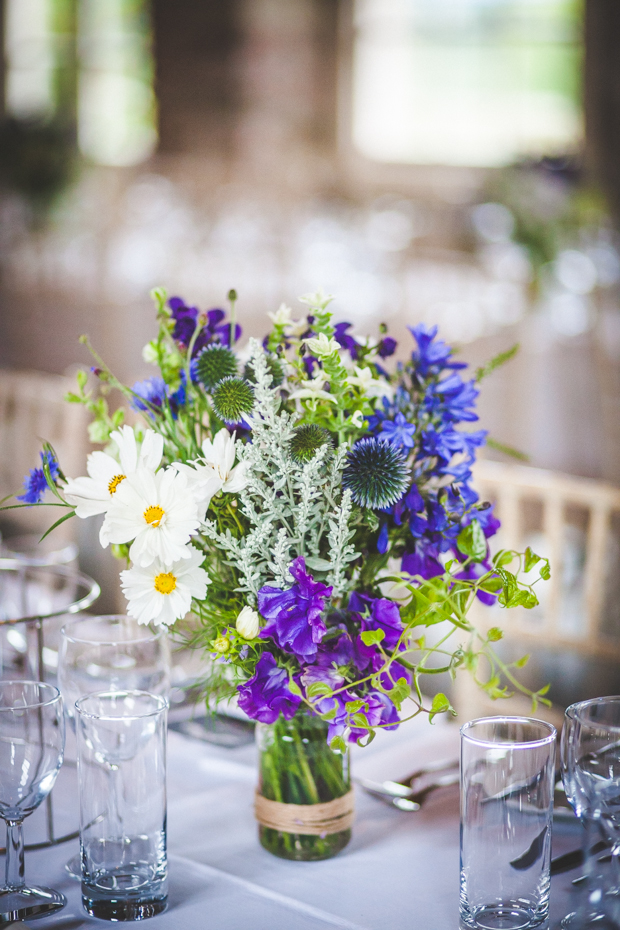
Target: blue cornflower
35 482
398 431
152 390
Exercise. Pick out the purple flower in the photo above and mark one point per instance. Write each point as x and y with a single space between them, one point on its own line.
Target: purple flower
431 356
152 390
384 615
398 431
295 615
422 561
345 339
35 482
185 320
336 651
387 347
267 695
379 710
383 540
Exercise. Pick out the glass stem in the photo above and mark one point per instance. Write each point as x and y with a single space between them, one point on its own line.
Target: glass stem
14 855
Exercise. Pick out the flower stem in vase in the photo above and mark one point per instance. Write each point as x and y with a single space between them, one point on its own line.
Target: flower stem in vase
297 766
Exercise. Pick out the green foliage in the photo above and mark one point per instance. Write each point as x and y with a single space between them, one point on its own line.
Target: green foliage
496 362
471 541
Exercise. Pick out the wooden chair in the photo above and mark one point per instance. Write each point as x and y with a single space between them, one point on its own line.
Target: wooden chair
575 630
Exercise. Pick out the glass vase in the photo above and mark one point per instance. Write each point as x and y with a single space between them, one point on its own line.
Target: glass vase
298 767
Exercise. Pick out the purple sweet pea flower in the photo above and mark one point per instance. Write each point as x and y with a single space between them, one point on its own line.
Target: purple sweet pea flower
267 695
345 339
295 615
384 615
421 562
380 710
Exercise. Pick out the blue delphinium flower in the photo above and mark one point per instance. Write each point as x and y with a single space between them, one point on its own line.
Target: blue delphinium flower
432 355
35 482
346 340
267 694
398 431
214 330
295 615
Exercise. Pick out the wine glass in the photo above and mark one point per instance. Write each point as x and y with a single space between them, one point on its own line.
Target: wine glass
591 776
110 653
32 739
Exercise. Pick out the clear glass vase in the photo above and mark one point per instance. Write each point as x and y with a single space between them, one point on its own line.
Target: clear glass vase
297 766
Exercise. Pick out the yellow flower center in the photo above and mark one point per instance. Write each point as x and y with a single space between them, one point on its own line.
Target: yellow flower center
153 515
165 582
114 483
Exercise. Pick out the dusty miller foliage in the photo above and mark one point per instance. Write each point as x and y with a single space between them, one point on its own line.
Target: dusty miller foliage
293 509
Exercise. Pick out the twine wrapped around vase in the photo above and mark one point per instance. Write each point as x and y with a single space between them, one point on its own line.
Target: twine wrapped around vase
321 819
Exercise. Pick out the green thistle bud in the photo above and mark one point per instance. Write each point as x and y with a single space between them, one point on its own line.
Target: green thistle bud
376 473
274 367
215 363
232 397
306 440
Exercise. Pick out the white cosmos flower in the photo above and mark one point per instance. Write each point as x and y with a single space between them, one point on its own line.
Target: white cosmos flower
157 511
214 471
322 345
94 494
371 387
248 623
162 593
313 389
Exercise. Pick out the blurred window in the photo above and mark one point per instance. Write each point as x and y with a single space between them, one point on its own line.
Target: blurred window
116 108
466 82
116 102
29 51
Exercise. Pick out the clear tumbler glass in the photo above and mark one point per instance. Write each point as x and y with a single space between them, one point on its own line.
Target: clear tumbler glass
121 737
507 782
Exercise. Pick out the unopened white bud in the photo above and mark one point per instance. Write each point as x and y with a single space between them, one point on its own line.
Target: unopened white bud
248 623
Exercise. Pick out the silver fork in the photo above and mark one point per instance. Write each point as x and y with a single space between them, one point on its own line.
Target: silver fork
403 787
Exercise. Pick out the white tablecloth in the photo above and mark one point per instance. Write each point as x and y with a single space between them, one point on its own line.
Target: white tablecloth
400 870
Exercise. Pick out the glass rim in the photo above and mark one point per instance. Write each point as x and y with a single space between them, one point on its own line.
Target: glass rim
163 705
515 744
56 695
579 706
71 637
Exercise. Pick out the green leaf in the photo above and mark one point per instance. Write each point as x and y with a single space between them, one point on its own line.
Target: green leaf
399 692
338 744
522 662
359 720
531 559
294 688
318 565
370 637
471 541
545 571
352 707
507 450
503 557
440 705
496 362
495 634
81 378
317 689
67 516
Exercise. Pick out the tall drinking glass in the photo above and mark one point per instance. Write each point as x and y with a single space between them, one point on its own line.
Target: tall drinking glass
110 653
32 737
507 781
121 737
591 776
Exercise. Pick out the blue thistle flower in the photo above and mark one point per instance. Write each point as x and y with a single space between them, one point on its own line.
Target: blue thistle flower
306 441
376 473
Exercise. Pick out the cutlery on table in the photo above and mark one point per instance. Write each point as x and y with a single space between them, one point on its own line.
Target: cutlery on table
413 800
403 787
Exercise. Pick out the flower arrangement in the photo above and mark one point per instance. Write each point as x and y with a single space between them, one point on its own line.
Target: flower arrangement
301 514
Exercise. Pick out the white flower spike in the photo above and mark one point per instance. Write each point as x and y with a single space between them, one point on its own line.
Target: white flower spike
313 389
94 494
157 512
161 594
322 345
248 623
214 472
371 387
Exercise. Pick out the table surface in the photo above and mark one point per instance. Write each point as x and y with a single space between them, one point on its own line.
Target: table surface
399 871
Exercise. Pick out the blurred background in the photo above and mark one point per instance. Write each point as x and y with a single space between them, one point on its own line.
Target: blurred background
449 161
